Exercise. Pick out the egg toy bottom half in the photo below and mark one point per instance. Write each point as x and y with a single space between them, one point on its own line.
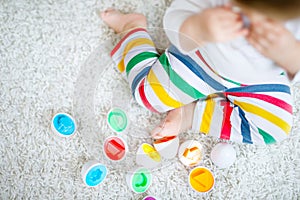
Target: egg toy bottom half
223 155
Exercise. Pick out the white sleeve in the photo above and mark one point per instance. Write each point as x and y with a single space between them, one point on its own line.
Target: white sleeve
179 11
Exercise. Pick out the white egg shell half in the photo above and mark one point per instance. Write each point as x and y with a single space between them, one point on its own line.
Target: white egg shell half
223 155
168 149
147 159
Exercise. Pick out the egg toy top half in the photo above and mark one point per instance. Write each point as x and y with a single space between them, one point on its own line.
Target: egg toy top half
167 146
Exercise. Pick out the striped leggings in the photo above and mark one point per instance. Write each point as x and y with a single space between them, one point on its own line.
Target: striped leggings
254 114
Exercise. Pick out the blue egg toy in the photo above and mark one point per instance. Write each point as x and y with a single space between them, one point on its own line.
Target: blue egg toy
63 125
93 173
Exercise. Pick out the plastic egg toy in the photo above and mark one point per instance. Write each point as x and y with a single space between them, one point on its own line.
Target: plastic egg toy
190 153
201 179
93 173
115 148
139 180
117 120
167 146
150 198
63 125
223 155
147 156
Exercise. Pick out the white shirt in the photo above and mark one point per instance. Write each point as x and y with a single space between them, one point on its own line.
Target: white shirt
237 59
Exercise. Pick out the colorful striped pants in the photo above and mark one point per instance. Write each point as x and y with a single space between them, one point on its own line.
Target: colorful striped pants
254 114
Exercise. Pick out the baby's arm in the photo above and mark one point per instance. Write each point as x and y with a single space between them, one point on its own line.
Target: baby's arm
177 13
219 24
190 24
274 41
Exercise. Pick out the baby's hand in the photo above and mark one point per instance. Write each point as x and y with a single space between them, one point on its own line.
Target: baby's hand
220 24
274 41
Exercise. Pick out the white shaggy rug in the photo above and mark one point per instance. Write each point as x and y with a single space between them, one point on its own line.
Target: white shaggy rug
54 58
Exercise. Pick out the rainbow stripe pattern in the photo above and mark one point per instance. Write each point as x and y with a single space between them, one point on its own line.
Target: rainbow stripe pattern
254 114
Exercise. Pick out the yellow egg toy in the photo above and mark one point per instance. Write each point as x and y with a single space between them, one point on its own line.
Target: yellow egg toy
147 156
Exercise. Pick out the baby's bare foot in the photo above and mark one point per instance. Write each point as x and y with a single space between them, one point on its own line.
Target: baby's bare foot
120 22
176 121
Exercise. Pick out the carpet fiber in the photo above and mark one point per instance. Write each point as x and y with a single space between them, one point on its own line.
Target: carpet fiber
54 58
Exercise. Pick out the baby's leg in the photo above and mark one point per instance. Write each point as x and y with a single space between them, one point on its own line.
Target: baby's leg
154 83
256 114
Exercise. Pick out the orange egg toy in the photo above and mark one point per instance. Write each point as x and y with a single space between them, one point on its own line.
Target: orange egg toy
201 179
190 153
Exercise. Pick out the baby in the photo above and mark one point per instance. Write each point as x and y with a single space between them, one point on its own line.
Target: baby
227 73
